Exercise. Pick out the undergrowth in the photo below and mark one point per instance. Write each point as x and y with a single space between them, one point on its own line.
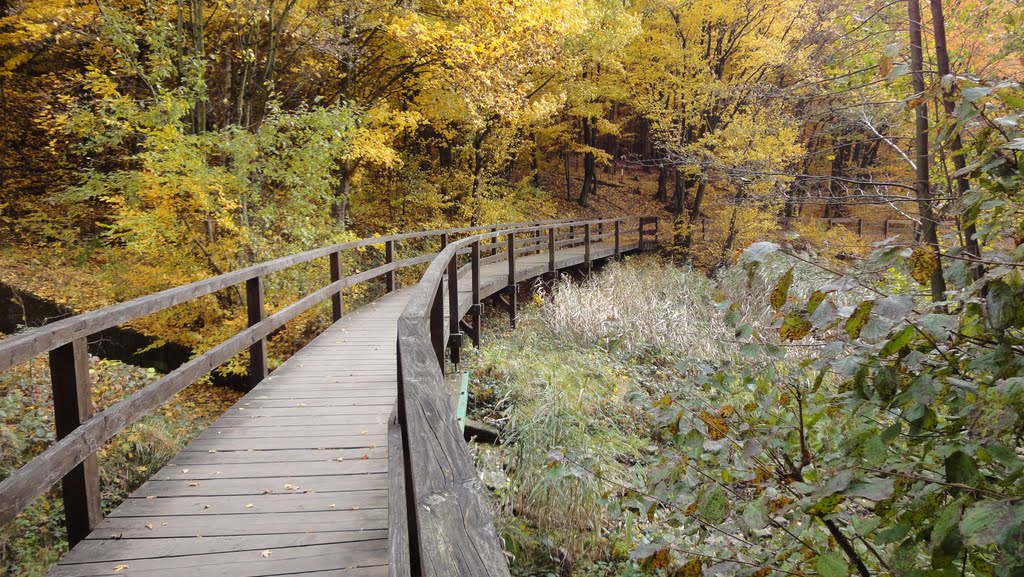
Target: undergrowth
32 543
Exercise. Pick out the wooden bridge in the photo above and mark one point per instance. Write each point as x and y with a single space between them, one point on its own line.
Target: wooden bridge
346 460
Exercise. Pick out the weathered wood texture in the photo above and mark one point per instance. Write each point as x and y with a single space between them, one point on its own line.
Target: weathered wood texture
297 486
451 532
307 466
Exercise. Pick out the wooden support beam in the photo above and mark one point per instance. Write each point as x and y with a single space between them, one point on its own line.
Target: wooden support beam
477 308
258 350
618 253
512 279
72 406
454 335
389 257
338 298
586 249
437 328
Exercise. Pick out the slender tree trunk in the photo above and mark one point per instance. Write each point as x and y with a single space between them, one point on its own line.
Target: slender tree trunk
662 194
568 177
691 224
535 163
589 165
929 230
679 194
968 228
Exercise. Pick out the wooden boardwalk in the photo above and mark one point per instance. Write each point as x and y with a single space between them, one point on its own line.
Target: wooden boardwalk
293 479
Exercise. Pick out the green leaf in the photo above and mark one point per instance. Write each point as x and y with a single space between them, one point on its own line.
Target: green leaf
794 327
826 505
991 522
713 506
812 303
960 468
831 565
859 318
780 294
871 489
758 252
755 515
900 340
974 93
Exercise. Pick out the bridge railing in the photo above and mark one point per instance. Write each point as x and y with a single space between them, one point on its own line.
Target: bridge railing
439 522
81 432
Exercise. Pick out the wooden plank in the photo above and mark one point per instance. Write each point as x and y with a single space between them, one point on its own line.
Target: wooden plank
261 470
398 515
289 560
297 421
254 505
247 431
224 525
122 550
266 485
281 456
72 402
337 442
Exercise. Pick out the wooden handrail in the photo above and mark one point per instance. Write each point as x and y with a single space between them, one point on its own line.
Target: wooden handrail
71 458
447 524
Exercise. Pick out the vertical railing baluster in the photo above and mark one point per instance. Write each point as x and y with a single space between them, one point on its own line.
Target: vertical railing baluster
551 252
618 254
72 406
477 305
437 328
389 257
338 298
256 310
512 279
641 229
454 334
586 247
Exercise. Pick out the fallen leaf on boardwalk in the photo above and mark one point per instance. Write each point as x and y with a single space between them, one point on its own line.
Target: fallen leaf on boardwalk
184 470
267 491
248 505
115 536
365 457
205 507
332 506
290 487
193 484
212 451
302 404
364 432
148 526
340 459
121 567
151 497
265 553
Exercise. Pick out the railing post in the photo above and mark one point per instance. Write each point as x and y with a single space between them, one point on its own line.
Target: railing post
72 406
454 334
444 240
512 279
618 254
586 247
495 241
860 227
338 298
551 251
258 350
477 305
641 229
389 257
437 328
885 228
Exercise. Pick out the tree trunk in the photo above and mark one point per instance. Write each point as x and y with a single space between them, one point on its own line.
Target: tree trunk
929 230
691 223
679 194
568 177
968 228
589 165
662 194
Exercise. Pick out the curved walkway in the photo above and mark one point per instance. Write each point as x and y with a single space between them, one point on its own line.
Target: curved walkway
293 479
